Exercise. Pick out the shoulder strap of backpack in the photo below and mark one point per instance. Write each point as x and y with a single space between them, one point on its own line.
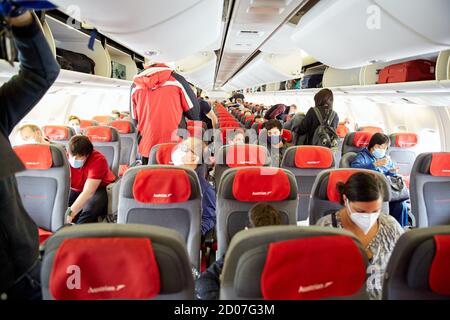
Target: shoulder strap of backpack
334 220
319 115
331 117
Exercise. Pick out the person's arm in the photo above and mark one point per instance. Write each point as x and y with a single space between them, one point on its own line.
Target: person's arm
211 115
90 187
208 209
37 72
191 109
361 162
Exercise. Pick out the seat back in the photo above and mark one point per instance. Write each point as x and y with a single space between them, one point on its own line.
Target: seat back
403 152
165 196
87 123
371 129
430 189
325 197
128 141
347 159
44 186
233 156
58 134
113 261
241 188
294 263
306 162
162 153
418 266
356 141
107 141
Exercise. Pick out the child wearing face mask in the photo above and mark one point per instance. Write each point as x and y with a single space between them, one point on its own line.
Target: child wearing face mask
275 142
375 157
362 199
75 123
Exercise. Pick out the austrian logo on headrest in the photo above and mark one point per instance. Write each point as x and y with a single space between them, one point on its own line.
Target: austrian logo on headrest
162 195
261 193
446 170
313 162
314 287
57 136
31 163
98 138
247 162
106 289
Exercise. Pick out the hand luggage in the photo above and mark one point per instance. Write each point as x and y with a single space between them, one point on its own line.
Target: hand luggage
415 70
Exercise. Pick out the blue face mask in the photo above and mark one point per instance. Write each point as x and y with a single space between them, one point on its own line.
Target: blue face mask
76 164
379 153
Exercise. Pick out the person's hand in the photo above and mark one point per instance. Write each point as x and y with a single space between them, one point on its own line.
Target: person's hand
23 20
69 216
394 170
381 162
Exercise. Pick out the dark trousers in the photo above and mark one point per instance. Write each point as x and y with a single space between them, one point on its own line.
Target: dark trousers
399 210
28 287
144 161
96 207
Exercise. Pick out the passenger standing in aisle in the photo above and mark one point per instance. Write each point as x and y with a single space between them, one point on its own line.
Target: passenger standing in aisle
161 99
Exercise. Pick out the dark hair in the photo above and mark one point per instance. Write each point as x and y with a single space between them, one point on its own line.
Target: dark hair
263 214
361 186
80 146
378 138
324 98
273 123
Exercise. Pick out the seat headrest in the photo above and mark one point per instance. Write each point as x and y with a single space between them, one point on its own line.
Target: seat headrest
341 130
287 135
312 271
404 140
58 133
428 267
370 129
101 134
195 123
87 123
333 179
245 155
40 156
313 157
361 139
123 126
261 184
105 264
164 153
440 164
161 185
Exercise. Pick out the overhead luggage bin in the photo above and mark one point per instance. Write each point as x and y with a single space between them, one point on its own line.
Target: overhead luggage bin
145 25
380 30
198 69
268 68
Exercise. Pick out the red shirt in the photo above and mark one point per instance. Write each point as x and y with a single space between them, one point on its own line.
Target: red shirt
96 167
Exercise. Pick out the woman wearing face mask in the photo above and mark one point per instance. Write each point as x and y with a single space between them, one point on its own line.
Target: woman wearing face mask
75 123
374 158
362 198
89 176
189 153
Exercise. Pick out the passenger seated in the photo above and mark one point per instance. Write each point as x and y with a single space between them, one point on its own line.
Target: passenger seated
374 158
275 143
235 137
115 114
189 153
32 134
207 287
259 119
75 123
362 198
90 174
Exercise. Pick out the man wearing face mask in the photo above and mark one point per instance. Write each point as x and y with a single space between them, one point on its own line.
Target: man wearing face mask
32 134
275 143
89 176
75 123
374 158
189 153
362 198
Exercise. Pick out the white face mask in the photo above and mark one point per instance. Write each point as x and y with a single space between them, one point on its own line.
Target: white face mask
75 163
31 141
177 157
77 129
364 221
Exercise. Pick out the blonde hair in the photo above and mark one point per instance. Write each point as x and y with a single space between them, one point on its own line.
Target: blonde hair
33 127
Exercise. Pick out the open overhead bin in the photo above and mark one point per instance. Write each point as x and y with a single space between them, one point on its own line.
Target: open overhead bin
372 30
166 30
268 68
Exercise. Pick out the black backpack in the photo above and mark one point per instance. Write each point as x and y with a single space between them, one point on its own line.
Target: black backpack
325 135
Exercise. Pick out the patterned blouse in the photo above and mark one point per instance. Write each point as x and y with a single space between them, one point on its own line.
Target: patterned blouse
381 247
